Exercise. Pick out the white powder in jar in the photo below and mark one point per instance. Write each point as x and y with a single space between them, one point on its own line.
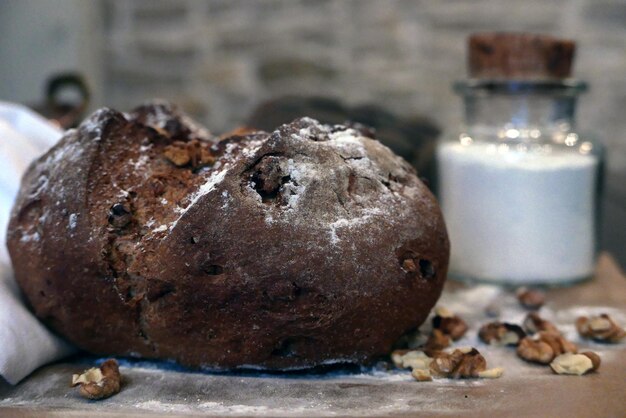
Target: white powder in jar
518 217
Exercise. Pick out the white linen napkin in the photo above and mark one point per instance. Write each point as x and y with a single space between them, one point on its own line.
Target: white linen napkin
25 343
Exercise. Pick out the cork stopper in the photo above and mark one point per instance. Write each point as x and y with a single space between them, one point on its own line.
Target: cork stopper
519 56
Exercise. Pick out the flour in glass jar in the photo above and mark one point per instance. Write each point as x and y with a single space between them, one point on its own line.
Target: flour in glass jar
518 216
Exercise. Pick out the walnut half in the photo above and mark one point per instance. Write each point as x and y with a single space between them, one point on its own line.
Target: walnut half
577 364
413 359
533 323
501 333
99 383
530 298
544 347
436 342
461 363
449 323
600 328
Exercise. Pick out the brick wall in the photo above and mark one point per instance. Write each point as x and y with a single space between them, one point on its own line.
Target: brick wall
218 58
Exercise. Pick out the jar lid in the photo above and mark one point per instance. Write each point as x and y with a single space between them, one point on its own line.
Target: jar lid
505 55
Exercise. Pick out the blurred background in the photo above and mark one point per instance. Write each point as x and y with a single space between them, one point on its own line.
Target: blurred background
392 61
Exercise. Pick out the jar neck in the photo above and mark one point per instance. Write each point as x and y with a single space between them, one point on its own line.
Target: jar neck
547 106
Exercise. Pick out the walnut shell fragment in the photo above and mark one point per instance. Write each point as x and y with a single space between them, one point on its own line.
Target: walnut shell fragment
99 382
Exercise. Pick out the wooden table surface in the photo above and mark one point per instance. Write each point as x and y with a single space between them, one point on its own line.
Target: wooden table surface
525 390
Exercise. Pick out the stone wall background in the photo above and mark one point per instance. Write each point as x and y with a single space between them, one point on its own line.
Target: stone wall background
219 58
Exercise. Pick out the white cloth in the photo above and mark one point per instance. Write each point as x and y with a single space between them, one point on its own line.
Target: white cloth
25 344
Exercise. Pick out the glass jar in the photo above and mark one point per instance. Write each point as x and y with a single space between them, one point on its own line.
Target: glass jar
519 187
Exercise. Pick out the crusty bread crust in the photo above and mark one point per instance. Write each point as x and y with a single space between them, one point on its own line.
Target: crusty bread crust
293 249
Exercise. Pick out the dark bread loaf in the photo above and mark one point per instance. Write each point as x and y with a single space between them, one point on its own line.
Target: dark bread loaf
139 234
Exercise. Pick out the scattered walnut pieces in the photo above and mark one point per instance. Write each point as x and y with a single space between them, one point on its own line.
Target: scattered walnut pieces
494 373
558 343
600 328
544 347
530 298
410 359
99 383
576 364
446 327
501 333
533 323
461 363
421 375
449 323
436 342
595 359
535 351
